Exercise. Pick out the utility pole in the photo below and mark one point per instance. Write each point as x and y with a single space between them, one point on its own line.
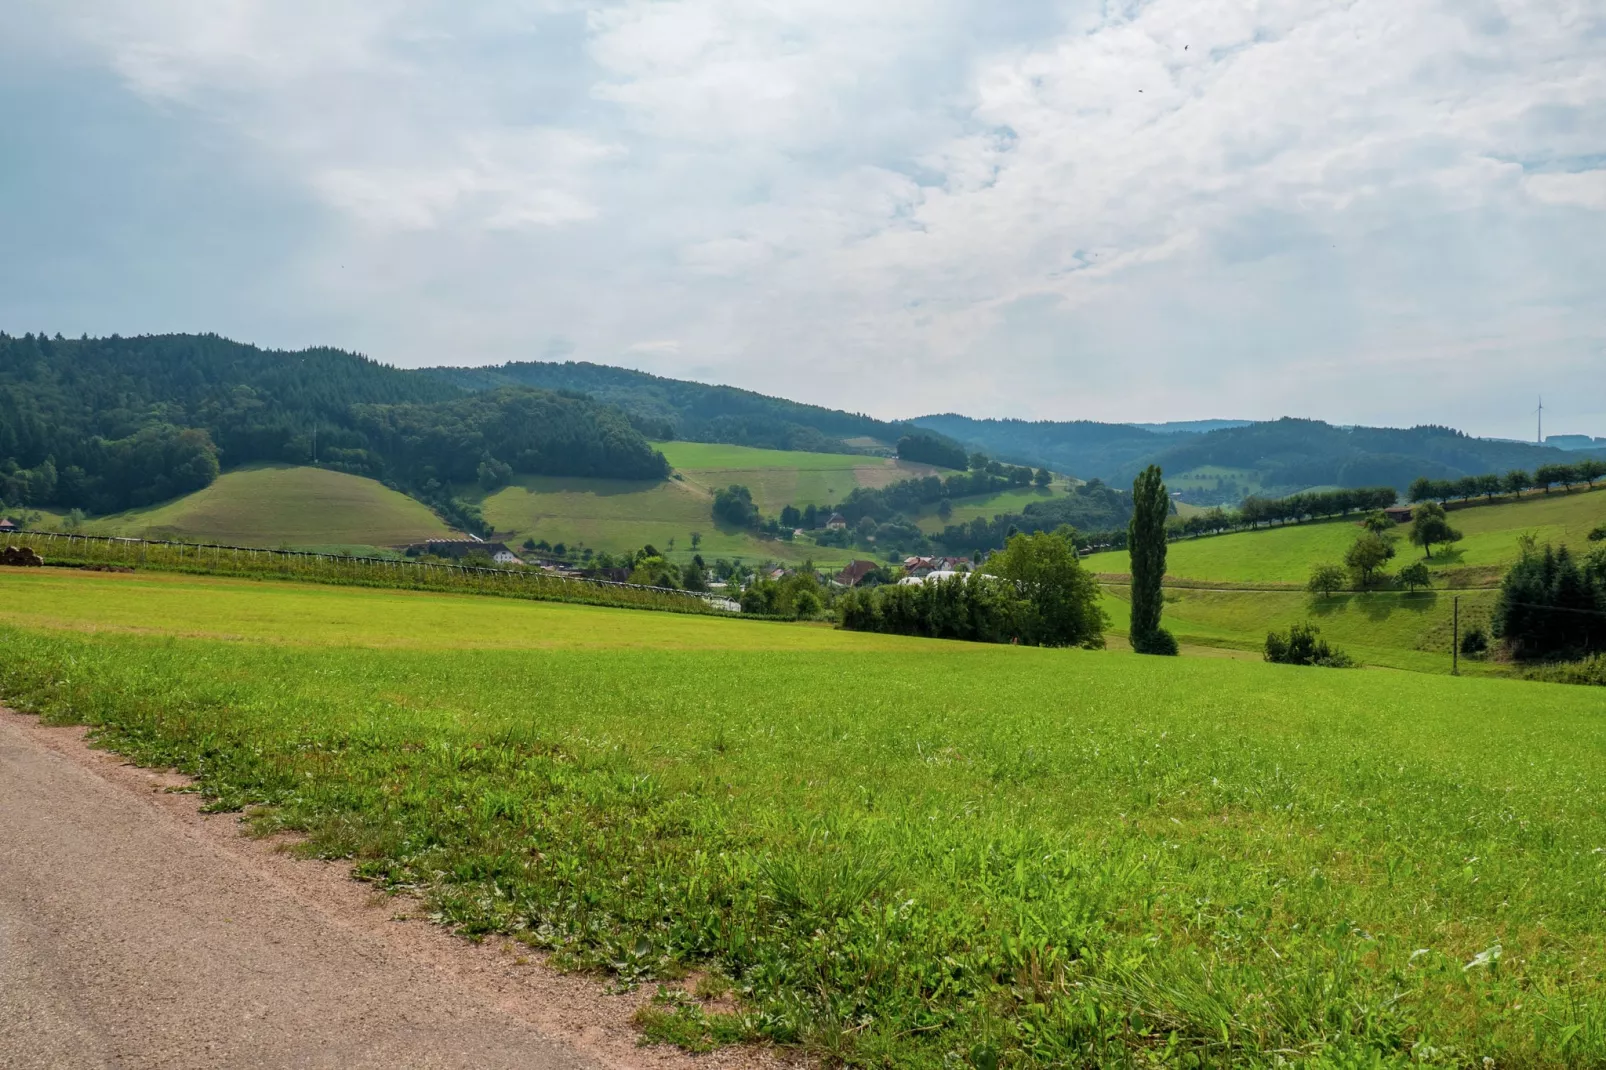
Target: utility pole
1455 639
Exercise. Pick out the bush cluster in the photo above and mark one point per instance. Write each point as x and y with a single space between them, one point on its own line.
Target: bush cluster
1302 645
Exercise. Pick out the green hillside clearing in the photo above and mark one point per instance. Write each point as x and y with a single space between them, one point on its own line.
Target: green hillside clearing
1029 857
1285 555
618 515
272 505
779 478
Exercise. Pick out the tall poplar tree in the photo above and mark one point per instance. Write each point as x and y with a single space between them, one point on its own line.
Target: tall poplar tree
1146 542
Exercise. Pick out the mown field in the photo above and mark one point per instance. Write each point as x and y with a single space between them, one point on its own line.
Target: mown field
1285 555
986 506
779 478
618 515
896 852
284 505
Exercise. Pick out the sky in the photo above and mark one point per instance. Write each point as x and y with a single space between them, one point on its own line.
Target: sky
1384 212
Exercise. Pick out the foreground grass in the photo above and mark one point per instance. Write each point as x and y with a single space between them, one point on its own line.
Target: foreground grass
902 853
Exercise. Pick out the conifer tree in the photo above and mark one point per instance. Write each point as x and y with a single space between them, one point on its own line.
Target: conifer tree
1146 541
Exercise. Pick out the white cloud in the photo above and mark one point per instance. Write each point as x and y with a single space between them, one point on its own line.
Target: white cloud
1586 189
1055 209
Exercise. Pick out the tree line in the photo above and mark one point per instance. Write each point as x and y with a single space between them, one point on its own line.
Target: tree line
1514 482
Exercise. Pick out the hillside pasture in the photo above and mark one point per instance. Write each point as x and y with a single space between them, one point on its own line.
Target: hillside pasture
271 505
894 849
1391 629
779 478
1285 554
986 506
621 515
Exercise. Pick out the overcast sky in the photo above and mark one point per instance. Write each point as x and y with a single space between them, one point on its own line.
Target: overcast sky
1379 211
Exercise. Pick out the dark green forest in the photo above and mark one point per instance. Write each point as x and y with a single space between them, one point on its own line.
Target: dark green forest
109 424
692 412
1288 454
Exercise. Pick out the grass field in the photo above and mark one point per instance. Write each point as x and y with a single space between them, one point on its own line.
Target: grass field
616 515
779 478
619 515
987 506
1286 554
898 852
273 505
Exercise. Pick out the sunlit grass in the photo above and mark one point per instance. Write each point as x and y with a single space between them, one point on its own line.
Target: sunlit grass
901 852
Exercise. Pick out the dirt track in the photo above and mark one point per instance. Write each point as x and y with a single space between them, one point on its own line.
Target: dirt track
135 933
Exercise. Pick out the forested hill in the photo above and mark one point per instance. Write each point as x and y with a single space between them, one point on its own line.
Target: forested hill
105 424
694 412
1290 453
1286 455
1083 448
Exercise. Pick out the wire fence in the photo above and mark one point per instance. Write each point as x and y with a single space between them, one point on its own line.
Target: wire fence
102 551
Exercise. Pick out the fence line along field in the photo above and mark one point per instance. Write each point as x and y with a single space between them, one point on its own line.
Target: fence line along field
891 851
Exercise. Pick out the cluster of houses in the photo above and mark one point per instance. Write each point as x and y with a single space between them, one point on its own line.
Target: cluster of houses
916 570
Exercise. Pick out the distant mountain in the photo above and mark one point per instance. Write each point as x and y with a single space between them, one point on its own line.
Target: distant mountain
1199 426
1081 447
1290 454
693 412
1284 455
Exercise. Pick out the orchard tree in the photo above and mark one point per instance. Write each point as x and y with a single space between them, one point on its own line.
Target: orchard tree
1516 481
1430 525
1325 579
1151 506
1369 553
1415 575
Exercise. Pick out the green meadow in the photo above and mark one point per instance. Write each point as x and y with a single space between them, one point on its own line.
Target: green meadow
1285 555
274 505
890 851
620 515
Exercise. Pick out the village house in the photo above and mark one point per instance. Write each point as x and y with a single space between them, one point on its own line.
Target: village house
856 571
920 567
836 522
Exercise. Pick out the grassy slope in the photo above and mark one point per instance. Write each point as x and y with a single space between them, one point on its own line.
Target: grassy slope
1066 856
616 515
269 505
1286 554
779 478
1389 628
987 506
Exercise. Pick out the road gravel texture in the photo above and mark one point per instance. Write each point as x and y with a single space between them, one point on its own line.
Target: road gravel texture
136 932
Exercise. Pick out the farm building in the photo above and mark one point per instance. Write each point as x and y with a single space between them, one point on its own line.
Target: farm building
856 571
7 525
836 522
1400 514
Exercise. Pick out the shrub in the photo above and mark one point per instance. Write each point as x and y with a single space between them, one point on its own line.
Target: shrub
1475 643
1598 535
1302 645
1159 641
1325 579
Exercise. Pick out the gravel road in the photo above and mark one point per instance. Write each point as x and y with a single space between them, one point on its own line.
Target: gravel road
133 935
